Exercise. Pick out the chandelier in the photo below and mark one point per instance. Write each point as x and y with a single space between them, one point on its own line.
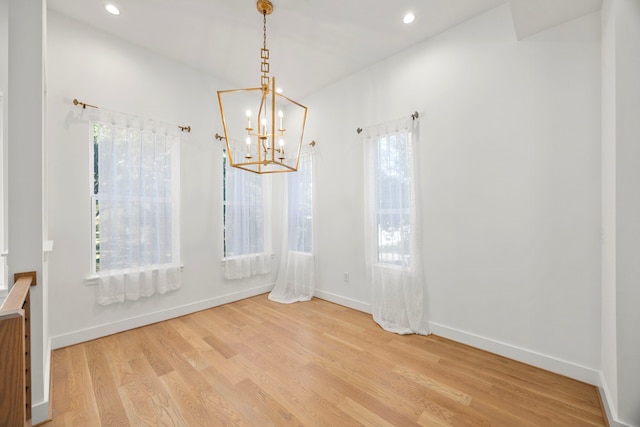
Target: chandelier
263 129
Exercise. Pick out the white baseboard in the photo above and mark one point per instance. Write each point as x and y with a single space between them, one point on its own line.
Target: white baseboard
346 302
94 332
562 367
539 360
40 412
607 402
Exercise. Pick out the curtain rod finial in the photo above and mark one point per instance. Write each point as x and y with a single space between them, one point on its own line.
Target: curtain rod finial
84 104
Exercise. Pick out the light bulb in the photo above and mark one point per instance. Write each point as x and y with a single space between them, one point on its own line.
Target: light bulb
112 9
409 18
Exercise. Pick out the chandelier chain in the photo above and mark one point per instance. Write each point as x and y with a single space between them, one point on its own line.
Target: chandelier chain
265 55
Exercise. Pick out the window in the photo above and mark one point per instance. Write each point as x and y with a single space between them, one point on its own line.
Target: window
243 211
246 215
3 236
300 206
393 239
393 198
134 196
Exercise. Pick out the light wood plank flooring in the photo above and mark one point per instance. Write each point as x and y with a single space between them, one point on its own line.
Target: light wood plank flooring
259 363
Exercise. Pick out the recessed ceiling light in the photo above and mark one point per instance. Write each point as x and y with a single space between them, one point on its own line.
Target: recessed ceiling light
409 18
112 9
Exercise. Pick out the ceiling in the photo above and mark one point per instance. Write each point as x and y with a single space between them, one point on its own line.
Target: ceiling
312 43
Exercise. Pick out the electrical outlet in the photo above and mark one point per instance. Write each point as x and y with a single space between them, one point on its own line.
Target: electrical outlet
346 276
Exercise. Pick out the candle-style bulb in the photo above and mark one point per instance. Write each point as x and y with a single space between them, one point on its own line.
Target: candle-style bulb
248 156
249 120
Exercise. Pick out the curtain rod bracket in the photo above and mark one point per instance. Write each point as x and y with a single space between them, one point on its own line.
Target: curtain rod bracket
84 104
219 137
185 128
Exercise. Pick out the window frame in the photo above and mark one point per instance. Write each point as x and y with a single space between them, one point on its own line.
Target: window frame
405 256
94 209
265 181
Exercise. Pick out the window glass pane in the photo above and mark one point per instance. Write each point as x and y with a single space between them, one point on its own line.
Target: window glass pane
300 205
243 205
393 199
132 197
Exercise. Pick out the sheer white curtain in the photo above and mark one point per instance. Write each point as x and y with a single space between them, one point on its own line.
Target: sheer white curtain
136 189
247 207
296 275
393 239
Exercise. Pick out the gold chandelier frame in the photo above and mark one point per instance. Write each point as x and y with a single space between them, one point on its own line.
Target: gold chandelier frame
263 154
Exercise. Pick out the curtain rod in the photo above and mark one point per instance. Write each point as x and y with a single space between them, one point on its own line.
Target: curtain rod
85 105
413 116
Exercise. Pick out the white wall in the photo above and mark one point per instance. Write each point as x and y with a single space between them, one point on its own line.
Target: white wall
609 365
621 208
510 155
4 83
4 47
4 54
628 209
25 95
102 70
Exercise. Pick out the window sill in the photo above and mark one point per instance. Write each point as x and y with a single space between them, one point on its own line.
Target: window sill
394 267
47 246
94 279
223 262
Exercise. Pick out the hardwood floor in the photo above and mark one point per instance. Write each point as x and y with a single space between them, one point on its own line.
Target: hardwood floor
259 363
